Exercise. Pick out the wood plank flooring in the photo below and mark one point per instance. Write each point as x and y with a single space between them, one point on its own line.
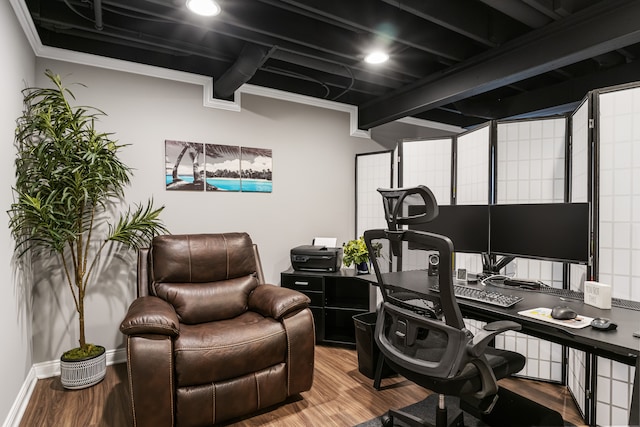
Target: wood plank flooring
340 396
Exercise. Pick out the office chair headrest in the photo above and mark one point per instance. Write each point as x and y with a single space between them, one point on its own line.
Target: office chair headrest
393 199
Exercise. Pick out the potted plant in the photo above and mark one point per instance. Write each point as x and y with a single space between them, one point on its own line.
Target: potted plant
69 181
355 252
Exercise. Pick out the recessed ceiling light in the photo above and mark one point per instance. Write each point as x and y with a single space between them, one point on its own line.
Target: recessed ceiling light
377 57
204 7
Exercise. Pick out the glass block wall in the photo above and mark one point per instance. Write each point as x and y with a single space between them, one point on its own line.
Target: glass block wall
579 192
618 126
373 171
613 396
472 187
426 162
531 169
472 182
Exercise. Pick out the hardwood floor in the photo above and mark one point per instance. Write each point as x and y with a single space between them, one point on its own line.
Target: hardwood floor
341 396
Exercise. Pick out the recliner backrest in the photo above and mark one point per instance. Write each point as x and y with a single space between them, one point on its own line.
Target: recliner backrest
206 277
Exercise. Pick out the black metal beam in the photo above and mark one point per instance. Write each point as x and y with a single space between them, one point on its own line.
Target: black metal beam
401 27
601 28
466 17
561 94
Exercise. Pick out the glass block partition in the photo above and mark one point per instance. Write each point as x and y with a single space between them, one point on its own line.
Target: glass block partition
472 182
426 162
618 157
373 171
579 192
531 169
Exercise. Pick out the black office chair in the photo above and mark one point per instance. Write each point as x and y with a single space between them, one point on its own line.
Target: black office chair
421 336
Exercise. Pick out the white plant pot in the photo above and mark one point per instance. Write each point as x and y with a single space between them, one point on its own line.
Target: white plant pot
78 374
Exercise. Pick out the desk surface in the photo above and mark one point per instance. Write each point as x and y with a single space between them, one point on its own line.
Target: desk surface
619 344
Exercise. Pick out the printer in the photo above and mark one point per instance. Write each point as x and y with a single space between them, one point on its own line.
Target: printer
316 258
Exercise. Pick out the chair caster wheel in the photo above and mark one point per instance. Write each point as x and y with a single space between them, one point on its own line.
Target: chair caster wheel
387 421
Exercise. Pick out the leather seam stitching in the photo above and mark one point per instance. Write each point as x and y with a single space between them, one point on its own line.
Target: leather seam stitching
232 345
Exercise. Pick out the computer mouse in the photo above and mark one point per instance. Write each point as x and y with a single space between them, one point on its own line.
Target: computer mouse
563 313
603 324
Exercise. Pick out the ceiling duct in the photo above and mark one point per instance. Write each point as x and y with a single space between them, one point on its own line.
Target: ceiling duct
97 11
250 59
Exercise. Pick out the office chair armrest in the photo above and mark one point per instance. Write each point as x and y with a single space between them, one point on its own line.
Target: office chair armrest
150 315
481 340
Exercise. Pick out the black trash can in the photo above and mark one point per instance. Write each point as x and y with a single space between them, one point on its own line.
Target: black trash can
366 347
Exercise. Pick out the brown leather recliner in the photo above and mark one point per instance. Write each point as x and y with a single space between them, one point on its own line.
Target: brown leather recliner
207 340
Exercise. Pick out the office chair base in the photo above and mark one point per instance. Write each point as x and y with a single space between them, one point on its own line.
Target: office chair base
443 419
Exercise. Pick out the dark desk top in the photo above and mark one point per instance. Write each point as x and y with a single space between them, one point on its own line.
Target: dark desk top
619 344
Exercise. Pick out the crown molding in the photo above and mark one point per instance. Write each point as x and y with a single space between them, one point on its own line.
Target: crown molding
41 51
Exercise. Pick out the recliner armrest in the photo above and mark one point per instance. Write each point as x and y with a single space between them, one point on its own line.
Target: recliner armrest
481 340
150 315
275 301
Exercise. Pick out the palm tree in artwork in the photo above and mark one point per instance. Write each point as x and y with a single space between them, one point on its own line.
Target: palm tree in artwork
193 153
194 149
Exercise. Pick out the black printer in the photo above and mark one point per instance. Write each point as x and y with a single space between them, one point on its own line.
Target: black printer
316 258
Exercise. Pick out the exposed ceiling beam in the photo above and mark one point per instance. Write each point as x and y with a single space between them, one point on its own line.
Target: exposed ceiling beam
593 31
520 12
465 17
398 25
560 94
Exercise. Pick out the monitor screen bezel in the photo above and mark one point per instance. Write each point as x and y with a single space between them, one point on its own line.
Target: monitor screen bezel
575 225
480 243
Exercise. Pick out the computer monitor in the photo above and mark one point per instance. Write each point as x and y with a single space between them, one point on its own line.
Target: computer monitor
466 225
549 231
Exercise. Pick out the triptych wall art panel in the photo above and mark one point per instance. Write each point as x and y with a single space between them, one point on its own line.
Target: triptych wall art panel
194 166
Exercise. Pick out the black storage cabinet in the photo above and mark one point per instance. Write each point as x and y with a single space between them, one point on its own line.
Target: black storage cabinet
366 347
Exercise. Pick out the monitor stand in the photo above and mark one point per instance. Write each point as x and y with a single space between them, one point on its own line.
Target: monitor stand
491 265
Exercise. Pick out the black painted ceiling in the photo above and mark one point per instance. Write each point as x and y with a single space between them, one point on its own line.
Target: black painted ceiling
460 62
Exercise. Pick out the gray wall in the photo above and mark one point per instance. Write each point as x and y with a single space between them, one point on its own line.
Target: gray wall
15 357
313 186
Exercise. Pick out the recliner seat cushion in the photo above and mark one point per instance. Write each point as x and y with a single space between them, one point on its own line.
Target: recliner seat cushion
217 351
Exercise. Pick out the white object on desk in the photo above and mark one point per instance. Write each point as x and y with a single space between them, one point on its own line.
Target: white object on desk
329 242
544 314
597 294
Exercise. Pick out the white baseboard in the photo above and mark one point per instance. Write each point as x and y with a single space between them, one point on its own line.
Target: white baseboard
22 399
46 370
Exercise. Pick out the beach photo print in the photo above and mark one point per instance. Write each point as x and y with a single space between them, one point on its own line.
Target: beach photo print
194 166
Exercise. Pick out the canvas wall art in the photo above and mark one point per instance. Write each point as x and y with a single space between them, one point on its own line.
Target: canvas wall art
256 164
193 166
222 165
183 168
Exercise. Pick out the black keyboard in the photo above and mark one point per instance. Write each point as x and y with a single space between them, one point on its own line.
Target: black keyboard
480 295
576 295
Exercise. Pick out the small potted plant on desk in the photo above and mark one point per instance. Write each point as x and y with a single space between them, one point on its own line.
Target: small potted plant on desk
355 252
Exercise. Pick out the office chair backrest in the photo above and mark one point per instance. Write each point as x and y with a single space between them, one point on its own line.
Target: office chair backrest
395 198
423 333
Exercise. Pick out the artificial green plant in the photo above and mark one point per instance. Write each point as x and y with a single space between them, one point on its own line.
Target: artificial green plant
69 181
355 251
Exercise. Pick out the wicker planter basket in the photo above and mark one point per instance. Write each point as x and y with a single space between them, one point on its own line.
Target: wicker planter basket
77 374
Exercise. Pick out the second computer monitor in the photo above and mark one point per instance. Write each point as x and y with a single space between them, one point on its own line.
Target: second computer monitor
550 231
